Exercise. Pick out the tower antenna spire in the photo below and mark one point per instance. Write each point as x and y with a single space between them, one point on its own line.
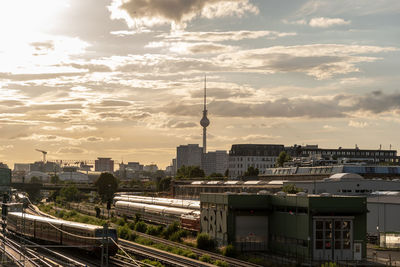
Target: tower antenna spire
204 122
205 92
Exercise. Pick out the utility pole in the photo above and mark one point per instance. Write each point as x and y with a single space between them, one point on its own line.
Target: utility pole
4 210
104 252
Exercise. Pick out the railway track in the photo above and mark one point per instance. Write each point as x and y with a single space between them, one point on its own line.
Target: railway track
162 256
199 252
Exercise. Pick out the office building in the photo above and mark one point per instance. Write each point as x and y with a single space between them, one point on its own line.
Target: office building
104 165
324 156
215 162
261 157
189 155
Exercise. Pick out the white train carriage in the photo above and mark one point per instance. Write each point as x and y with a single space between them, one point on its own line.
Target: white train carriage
84 236
168 202
153 213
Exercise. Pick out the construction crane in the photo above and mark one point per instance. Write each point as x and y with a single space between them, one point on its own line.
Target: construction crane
44 154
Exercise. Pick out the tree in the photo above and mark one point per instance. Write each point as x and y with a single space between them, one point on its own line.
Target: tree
190 172
36 180
106 185
204 241
54 179
164 184
282 158
251 171
226 174
70 193
291 189
215 175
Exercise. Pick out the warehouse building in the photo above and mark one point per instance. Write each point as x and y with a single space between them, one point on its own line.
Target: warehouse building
346 184
383 219
306 227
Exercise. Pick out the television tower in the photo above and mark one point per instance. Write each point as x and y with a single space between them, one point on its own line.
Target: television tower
204 122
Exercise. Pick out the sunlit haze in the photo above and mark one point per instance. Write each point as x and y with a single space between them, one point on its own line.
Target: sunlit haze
124 78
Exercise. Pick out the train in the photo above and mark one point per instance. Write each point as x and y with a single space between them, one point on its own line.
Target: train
86 237
189 218
168 202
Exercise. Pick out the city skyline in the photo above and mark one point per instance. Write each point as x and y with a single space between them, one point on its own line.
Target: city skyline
124 79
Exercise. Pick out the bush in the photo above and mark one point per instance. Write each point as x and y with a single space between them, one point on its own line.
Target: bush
154 263
205 242
205 258
154 230
221 263
177 236
124 232
172 228
229 251
121 221
256 260
141 227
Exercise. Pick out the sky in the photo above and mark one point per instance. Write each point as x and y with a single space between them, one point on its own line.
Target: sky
83 79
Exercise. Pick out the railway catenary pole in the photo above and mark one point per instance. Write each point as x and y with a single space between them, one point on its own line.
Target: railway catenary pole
104 252
4 211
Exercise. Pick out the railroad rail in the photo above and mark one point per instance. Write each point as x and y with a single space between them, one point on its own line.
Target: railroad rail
162 256
214 256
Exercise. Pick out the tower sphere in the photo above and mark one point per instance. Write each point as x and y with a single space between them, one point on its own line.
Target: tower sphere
204 122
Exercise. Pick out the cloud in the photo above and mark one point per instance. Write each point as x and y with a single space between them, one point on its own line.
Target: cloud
319 60
192 48
80 128
329 127
327 22
50 128
354 7
336 106
255 137
357 124
60 139
223 35
6 147
183 124
71 150
139 13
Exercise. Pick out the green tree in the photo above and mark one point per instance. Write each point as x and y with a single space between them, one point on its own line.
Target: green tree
106 185
291 189
164 184
226 174
36 180
70 193
204 241
215 175
251 171
282 158
54 179
190 172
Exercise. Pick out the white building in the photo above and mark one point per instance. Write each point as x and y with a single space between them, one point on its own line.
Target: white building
215 162
77 177
347 184
18 167
150 168
261 157
188 155
104 165
42 176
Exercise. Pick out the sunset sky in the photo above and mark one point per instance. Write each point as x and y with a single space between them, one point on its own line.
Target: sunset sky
124 78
